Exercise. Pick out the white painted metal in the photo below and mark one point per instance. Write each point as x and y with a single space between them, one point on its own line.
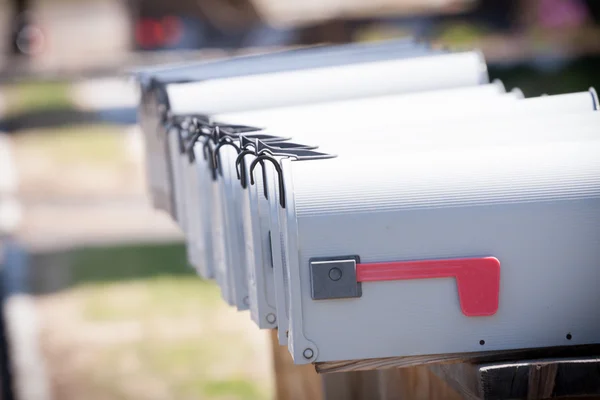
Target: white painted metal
369 108
419 108
290 60
439 174
263 299
427 132
237 274
331 83
202 222
157 176
535 205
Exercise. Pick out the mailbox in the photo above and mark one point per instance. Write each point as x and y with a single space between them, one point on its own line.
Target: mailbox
372 108
458 104
499 132
257 276
401 75
227 243
418 210
510 231
155 107
332 137
253 286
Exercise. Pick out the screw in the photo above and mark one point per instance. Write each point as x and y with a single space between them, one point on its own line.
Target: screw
335 274
308 353
271 318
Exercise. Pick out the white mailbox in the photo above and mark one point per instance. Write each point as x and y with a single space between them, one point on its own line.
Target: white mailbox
330 136
402 75
510 231
499 132
228 248
155 107
418 210
252 271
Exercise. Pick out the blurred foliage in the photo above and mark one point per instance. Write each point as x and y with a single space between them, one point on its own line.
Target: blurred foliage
129 262
548 77
231 387
139 323
461 34
25 97
89 144
160 296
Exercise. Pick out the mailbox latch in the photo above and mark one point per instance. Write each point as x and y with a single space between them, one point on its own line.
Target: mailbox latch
334 278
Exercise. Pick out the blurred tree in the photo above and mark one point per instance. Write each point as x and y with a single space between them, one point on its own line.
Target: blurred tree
19 24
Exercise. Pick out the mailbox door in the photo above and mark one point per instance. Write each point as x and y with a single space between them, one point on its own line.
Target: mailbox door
260 269
202 203
236 268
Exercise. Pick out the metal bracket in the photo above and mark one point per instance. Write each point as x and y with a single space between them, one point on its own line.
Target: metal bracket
334 278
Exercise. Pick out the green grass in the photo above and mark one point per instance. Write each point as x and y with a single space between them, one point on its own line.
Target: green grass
24 97
239 389
146 323
157 297
119 263
89 144
155 278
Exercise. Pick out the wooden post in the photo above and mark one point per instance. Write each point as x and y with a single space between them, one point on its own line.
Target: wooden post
525 379
294 382
413 383
454 376
302 382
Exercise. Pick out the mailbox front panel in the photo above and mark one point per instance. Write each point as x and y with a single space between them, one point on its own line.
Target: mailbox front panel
177 160
191 217
278 252
203 204
219 241
156 161
236 267
258 253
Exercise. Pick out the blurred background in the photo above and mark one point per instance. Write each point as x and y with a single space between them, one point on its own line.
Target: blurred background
98 300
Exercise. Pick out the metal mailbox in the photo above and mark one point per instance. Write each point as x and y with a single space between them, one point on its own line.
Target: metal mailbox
257 265
407 213
361 266
330 136
232 276
402 75
155 108
255 276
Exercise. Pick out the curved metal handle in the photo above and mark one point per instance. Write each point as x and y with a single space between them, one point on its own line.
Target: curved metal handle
189 147
264 157
223 142
240 167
